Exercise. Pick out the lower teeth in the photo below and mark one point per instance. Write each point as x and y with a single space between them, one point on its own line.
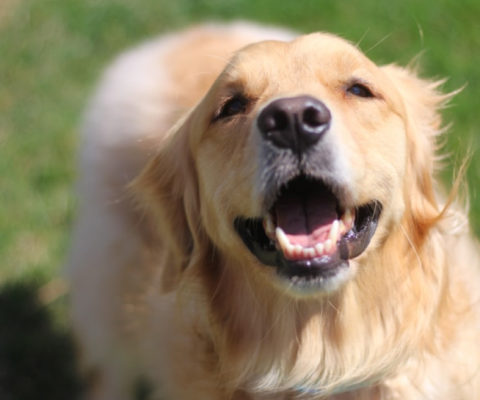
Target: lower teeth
295 251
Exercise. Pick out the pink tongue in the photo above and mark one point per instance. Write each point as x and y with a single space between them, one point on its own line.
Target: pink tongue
305 217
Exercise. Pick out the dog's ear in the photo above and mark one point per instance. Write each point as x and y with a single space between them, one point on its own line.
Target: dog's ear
167 192
422 102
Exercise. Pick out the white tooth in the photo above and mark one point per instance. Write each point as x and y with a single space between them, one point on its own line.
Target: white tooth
309 252
342 227
282 238
328 245
269 225
334 230
319 249
289 251
348 218
297 249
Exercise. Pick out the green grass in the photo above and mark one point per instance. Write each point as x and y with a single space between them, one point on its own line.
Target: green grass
52 52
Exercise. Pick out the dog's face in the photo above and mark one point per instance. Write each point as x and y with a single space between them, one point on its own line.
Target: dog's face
299 159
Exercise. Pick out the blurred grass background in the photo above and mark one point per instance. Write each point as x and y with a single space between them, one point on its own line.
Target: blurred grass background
51 54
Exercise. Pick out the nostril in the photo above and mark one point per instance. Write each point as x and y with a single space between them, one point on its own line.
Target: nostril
281 119
315 117
273 121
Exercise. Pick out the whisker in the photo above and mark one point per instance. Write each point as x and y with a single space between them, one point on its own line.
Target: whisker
378 43
420 33
357 45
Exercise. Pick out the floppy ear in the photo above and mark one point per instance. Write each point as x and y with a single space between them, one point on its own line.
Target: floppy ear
168 193
422 102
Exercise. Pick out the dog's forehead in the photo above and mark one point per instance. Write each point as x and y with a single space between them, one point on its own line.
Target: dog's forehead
306 55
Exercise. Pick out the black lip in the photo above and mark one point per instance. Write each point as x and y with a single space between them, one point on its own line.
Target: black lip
316 270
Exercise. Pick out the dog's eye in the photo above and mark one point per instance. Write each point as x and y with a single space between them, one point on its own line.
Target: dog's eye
360 90
233 106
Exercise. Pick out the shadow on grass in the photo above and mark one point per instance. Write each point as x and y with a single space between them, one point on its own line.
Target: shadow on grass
37 357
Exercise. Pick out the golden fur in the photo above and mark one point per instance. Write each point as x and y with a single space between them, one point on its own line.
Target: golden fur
164 289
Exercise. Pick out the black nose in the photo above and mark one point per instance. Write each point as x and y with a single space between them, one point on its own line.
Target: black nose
296 123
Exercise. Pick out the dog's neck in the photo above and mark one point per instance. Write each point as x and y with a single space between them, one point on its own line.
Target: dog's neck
266 340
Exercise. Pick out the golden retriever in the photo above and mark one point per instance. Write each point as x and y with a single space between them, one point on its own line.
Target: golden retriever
263 223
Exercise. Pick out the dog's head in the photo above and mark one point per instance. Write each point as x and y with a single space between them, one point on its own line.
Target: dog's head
298 163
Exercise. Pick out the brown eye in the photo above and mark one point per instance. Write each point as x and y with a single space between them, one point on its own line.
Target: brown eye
360 90
233 106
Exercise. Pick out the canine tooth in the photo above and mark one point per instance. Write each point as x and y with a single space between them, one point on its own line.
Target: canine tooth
319 249
334 230
342 227
282 239
328 245
269 225
348 218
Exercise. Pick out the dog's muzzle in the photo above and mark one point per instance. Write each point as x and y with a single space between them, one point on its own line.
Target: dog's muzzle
306 232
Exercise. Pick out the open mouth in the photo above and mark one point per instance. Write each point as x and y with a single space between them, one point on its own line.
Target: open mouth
307 235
